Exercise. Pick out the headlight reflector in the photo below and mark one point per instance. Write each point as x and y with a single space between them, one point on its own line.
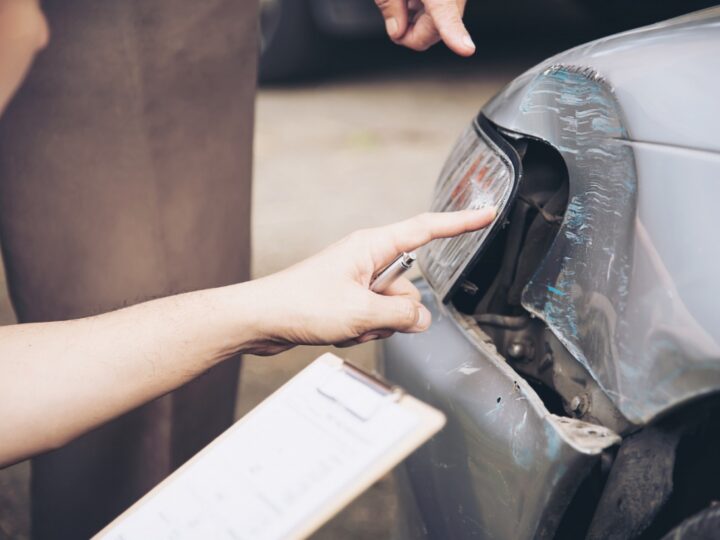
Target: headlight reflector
478 174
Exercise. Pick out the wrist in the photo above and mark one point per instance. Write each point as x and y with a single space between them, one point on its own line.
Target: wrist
253 318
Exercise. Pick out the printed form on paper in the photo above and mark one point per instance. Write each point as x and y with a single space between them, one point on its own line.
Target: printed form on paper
290 464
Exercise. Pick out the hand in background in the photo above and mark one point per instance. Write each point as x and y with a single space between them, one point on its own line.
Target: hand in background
325 299
420 24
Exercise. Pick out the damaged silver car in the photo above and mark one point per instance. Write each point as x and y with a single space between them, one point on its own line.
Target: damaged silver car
576 342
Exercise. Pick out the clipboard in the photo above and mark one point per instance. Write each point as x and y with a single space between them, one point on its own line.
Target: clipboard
290 464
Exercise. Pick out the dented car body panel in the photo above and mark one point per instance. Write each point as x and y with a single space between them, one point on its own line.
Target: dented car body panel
619 286
629 286
663 76
501 452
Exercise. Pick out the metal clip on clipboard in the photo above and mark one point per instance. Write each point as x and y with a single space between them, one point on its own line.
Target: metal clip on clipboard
362 401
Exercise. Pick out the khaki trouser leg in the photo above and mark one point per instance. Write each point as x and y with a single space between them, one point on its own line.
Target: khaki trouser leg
125 166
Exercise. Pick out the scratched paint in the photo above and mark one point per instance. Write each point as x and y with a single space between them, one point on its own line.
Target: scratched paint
576 227
494 412
581 289
600 280
553 443
490 460
522 451
623 320
468 370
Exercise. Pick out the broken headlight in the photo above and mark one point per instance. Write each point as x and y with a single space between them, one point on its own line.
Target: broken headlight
482 171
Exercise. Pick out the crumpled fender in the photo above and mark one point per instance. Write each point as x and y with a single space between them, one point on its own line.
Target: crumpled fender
503 466
630 285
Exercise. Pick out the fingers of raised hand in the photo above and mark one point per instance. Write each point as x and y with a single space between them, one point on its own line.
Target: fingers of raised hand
421 33
419 24
447 16
395 13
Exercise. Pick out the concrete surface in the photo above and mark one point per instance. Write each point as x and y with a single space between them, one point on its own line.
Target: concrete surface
359 150
336 157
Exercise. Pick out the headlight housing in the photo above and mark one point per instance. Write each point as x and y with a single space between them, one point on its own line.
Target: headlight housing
483 170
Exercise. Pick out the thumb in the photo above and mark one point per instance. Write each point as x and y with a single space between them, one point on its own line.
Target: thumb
395 13
448 20
398 313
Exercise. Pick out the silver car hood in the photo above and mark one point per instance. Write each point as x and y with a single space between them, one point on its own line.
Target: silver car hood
665 77
630 284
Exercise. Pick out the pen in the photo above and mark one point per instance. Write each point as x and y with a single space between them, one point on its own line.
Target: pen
391 272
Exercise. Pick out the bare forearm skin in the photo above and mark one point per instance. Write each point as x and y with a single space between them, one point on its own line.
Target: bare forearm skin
59 380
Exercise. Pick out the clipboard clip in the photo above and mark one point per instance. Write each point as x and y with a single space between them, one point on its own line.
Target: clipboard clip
373 380
359 392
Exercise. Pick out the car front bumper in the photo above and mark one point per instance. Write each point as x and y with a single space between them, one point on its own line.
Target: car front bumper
504 466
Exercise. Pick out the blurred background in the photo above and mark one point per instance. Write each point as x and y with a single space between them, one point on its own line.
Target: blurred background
351 131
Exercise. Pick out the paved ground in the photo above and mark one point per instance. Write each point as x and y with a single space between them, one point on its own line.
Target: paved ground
361 149
335 157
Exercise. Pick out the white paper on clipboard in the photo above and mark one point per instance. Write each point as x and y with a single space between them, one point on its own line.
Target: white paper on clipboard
290 464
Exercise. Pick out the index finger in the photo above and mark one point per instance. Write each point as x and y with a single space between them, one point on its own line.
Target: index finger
415 232
447 16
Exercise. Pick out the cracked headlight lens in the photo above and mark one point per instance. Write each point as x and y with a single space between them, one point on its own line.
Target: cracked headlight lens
480 172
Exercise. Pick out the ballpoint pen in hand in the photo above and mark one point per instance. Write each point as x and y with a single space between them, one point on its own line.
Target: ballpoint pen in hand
394 270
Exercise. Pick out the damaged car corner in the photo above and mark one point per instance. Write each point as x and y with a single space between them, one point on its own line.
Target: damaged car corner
575 348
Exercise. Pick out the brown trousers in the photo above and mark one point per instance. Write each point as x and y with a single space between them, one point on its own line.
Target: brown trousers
125 166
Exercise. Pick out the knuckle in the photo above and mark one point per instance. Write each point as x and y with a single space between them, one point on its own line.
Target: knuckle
445 9
446 15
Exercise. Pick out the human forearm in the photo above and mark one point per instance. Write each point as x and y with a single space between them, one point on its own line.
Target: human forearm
61 379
